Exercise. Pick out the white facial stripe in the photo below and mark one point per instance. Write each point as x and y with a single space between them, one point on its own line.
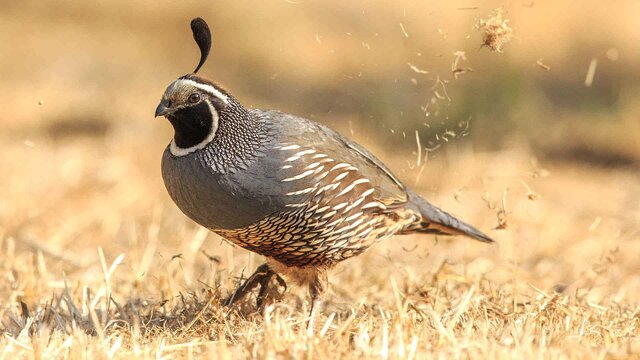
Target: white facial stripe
207 88
178 151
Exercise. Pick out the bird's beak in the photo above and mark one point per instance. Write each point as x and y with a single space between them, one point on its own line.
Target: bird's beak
162 109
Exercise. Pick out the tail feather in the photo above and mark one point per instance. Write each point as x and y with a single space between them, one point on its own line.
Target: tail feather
437 221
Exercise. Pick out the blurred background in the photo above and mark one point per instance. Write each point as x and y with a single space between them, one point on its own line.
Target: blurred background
99 67
523 143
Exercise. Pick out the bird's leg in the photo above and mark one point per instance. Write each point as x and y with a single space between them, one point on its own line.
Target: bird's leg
264 289
262 276
254 280
316 289
281 282
263 293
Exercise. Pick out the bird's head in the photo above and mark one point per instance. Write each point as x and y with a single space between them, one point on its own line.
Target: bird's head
192 103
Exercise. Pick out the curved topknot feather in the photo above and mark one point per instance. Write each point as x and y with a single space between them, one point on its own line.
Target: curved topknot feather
202 36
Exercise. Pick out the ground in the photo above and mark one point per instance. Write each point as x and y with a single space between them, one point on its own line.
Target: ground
536 145
96 262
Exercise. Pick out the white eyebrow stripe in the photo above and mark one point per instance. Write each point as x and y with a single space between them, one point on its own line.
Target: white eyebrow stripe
207 88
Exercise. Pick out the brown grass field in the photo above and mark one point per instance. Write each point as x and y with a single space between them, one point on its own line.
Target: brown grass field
96 262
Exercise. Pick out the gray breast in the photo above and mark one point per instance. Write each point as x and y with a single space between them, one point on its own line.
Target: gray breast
217 200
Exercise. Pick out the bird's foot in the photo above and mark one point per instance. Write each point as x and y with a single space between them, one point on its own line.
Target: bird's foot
262 277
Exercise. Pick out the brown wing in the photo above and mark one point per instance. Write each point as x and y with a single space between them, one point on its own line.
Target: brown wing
343 199
335 168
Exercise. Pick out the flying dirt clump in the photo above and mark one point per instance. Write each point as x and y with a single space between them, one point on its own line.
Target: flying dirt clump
495 31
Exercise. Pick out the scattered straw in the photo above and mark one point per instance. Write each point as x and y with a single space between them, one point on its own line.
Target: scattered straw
455 66
531 195
419 160
502 212
438 93
417 69
596 222
543 65
591 72
495 31
404 31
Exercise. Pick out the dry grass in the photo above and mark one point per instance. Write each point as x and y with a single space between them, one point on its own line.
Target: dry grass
97 263
495 31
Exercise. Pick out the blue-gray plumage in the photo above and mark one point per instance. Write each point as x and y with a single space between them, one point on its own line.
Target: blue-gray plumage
283 186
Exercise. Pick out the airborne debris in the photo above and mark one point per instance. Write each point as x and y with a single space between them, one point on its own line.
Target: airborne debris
613 54
443 33
502 212
455 68
417 69
543 65
432 100
456 195
448 135
464 126
495 31
212 258
532 195
591 72
404 31
537 171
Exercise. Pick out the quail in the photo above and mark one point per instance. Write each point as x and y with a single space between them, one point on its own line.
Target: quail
285 187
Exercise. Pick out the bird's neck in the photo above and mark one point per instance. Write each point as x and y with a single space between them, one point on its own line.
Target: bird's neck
239 140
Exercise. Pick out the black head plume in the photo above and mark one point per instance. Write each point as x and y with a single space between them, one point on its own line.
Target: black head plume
202 36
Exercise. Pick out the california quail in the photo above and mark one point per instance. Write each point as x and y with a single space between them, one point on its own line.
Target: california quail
282 186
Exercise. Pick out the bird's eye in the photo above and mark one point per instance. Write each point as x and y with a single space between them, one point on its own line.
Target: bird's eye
194 98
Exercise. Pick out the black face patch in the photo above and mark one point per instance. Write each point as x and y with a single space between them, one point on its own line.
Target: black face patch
191 124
